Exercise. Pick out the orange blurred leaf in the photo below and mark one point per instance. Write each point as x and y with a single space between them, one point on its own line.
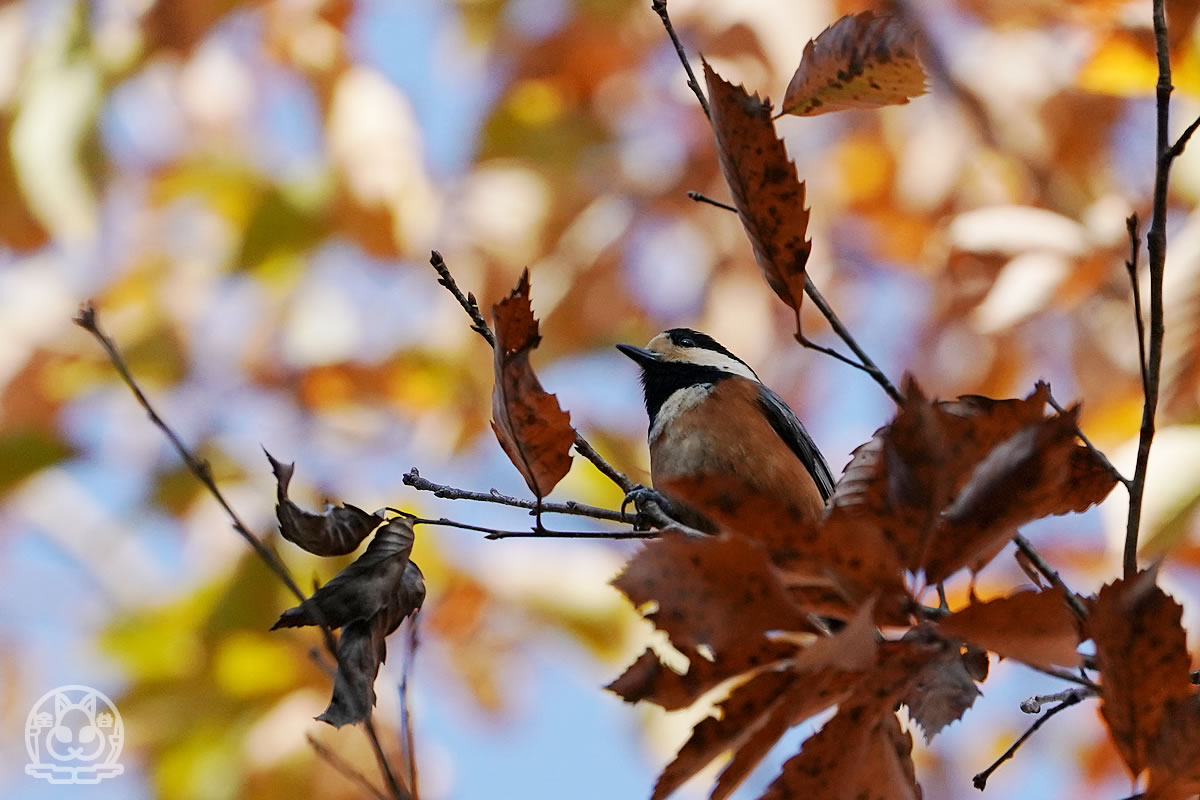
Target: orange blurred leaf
1035 627
866 60
1141 650
534 431
768 195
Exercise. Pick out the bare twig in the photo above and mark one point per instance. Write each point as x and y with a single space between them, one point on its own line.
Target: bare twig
1050 574
467 301
809 344
1033 705
413 478
865 363
398 791
660 8
585 449
700 197
407 745
980 780
344 767
1135 244
533 533
1177 149
1103 459
1156 246
87 319
1065 675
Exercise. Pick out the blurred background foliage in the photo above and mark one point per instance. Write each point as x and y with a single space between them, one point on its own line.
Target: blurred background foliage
249 192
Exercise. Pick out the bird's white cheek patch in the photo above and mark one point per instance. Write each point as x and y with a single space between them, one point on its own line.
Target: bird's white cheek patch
681 401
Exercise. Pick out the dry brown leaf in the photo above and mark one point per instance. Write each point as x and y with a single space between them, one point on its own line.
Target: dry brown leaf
367 600
336 531
1175 755
851 562
1032 474
649 679
942 693
1034 627
535 433
897 481
768 195
852 649
865 60
1141 650
974 424
747 709
861 752
719 592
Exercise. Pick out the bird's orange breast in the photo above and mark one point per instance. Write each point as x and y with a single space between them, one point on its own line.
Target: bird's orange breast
725 434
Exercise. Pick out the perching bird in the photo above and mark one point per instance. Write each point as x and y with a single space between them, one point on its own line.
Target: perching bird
711 416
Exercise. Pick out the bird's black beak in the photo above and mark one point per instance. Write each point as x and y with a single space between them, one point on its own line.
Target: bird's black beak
639 354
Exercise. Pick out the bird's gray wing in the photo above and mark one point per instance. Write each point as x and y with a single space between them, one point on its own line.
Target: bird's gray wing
789 427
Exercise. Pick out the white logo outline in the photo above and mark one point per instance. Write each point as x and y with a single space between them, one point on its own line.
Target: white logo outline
61 755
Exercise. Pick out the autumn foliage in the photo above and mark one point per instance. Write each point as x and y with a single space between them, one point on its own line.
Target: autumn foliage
776 618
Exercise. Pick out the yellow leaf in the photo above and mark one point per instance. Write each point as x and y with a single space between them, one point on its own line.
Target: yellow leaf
1120 66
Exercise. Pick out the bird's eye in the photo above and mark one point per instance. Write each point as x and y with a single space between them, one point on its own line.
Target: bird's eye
686 341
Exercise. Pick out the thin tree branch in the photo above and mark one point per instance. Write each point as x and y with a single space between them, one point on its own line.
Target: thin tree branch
1156 245
1135 244
408 747
467 301
413 478
398 791
980 780
1103 459
660 8
1177 149
87 319
809 344
841 330
865 363
480 326
533 533
1069 677
1033 705
585 449
700 197
344 767
1050 574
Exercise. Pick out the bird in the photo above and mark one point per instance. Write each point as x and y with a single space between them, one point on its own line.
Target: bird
711 417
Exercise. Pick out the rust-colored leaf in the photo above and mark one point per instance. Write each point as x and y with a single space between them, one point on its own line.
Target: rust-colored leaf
864 60
974 424
1141 649
1175 754
768 195
747 708
861 752
853 563
1030 475
897 481
535 433
719 592
649 679
1035 627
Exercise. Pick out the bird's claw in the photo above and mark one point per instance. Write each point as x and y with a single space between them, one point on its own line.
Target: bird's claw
638 497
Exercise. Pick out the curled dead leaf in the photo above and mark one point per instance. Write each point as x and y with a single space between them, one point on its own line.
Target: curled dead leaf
534 431
334 532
